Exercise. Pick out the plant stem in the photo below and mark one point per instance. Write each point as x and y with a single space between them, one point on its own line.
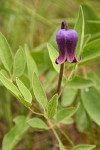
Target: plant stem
60 78
36 113
54 131
66 136
71 74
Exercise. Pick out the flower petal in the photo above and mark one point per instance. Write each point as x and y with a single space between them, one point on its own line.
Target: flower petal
71 42
61 41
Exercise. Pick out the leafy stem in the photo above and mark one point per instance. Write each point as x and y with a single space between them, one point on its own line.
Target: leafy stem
70 77
53 129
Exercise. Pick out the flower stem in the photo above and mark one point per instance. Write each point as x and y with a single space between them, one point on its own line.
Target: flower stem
60 78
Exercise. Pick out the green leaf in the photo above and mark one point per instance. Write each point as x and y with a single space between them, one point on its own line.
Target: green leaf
38 91
12 138
91 51
89 14
13 89
95 77
79 27
82 119
68 96
9 85
91 102
86 39
52 106
5 53
66 113
68 121
37 123
52 40
24 91
80 83
24 78
19 63
31 65
53 56
83 147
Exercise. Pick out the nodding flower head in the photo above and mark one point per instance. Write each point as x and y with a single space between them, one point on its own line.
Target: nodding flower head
67 41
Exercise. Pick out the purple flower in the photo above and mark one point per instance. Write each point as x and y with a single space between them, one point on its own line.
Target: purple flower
67 41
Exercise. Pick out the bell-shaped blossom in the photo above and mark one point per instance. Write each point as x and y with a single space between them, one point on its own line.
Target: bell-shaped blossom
66 41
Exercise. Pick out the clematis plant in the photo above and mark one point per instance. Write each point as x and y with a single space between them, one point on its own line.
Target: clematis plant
21 78
67 41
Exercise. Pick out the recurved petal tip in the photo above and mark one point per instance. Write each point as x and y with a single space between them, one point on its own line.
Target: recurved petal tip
61 59
75 60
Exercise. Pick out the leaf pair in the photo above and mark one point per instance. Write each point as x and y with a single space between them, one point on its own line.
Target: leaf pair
21 93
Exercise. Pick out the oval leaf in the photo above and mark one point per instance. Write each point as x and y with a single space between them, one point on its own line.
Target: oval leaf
5 53
82 119
24 91
68 96
91 102
37 123
9 85
66 113
38 91
52 106
83 147
19 63
91 51
13 89
80 83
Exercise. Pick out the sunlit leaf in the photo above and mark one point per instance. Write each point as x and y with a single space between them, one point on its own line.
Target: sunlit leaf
38 91
13 89
19 63
37 123
9 85
24 91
